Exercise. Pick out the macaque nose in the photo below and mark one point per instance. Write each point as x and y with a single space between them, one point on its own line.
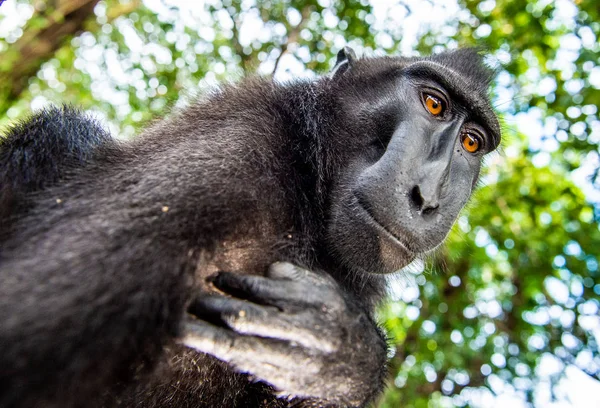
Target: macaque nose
423 202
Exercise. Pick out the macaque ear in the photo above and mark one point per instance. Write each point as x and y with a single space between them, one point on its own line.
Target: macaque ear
345 60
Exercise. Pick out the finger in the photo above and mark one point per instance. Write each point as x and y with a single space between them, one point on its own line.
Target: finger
285 294
268 359
257 288
305 329
221 309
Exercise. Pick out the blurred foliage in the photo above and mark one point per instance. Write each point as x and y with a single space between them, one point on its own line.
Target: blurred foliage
511 303
517 279
131 66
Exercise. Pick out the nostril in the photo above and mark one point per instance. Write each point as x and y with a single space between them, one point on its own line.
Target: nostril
420 203
430 210
415 197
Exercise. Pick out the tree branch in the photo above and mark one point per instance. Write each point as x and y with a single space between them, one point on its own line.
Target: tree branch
41 40
39 43
239 50
292 37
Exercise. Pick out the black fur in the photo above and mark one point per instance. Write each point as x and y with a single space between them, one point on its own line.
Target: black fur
110 242
36 154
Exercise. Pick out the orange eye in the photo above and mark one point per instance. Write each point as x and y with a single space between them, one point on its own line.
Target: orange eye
470 143
434 105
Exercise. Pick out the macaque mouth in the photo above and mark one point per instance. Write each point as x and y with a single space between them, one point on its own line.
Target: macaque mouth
380 226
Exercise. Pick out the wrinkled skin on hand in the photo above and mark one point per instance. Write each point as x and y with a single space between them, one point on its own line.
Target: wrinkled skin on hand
293 329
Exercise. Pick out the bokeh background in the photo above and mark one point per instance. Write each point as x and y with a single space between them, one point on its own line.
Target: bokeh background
507 313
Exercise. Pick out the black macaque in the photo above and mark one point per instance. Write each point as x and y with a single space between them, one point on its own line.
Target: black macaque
121 264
